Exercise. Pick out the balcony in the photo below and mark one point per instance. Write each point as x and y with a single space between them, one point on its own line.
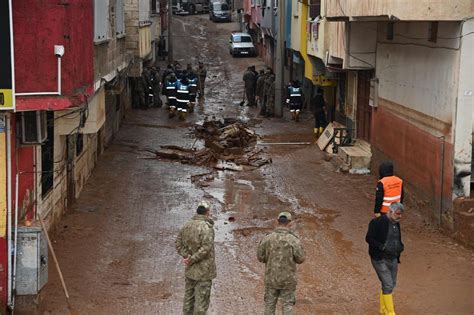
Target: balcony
405 10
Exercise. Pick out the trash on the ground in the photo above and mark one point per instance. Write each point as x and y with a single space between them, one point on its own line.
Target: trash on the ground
228 145
359 171
231 219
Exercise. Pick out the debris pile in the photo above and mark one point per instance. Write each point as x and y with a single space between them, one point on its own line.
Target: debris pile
228 145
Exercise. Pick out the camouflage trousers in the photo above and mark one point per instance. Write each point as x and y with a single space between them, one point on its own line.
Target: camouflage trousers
287 297
197 295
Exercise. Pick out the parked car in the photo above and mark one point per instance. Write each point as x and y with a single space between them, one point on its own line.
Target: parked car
241 44
190 7
220 11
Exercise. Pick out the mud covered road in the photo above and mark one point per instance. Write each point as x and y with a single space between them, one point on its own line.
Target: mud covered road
116 244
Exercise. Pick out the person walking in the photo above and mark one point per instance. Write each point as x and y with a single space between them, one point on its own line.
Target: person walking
250 82
319 112
389 189
294 99
385 246
195 243
202 74
280 251
155 84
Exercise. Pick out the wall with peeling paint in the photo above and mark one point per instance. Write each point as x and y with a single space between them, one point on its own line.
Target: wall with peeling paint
38 26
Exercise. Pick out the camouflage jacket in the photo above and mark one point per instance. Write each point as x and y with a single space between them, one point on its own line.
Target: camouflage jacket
260 84
280 251
271 92
266 85
196 241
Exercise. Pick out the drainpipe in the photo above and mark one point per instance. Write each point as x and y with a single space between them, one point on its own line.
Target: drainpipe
59 52
9 207
440 220
15 240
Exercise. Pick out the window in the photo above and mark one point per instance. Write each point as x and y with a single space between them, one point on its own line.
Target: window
101 20
155 6
433 32
314 9
220 6
242 39
47 157
119 18
390 33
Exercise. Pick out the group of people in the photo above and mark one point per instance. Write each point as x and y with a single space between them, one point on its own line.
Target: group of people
182 87
259 89
281 251
147 89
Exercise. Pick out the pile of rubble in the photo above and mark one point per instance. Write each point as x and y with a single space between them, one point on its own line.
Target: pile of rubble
228 145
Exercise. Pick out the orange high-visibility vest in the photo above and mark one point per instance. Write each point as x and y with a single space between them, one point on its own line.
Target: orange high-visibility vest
392 189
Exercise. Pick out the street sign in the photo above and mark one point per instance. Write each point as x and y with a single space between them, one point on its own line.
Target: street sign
7 83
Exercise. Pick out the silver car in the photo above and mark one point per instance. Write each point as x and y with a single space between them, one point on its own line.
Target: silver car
240 44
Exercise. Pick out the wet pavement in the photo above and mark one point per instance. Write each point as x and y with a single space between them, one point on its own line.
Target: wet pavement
116 244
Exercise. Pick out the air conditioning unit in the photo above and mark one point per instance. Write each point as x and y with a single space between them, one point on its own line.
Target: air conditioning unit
33 127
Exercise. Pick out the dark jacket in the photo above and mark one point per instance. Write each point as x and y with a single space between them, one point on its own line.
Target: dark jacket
377 237
318 104
385 169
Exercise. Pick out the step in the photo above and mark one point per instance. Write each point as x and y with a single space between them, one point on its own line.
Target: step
357 157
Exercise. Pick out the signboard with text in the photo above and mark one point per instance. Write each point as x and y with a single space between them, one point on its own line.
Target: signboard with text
7 86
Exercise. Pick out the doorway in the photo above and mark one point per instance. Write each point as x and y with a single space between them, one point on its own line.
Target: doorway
364 111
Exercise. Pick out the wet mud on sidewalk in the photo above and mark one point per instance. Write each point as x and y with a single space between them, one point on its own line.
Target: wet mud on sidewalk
116 243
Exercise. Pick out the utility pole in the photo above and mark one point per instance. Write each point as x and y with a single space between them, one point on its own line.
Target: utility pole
280 64
170 38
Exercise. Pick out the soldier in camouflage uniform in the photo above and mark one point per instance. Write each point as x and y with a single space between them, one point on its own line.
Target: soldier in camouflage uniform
280 251
266 91
271 97
195 243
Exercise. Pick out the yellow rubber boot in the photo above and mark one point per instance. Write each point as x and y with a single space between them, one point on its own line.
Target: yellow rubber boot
321 130
316 134
382 309
388 302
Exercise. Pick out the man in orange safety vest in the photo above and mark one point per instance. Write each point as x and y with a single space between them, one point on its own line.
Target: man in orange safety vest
389 189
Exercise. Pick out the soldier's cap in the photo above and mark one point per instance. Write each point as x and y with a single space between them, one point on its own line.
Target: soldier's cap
285 214
204 204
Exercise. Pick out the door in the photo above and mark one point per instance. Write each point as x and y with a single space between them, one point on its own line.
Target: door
364 111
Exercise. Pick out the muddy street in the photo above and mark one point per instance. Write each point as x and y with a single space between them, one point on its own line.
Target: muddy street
116 243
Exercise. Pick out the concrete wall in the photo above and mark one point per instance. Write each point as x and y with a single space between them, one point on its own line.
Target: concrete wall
110 56
421 10
420 75
296 25
415 122
361 45
131 26
85 162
